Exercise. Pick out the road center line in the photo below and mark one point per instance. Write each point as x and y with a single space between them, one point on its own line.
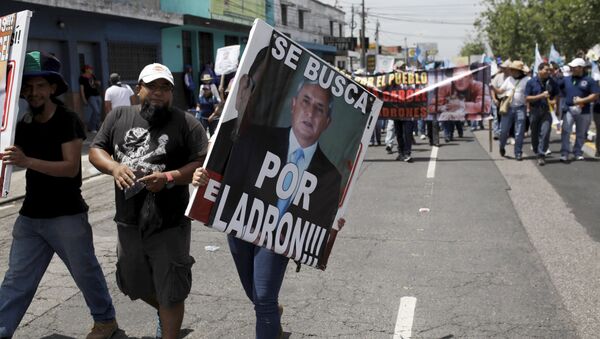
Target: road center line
404 321
432 162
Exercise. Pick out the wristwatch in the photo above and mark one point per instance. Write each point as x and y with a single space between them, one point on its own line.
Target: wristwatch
170 180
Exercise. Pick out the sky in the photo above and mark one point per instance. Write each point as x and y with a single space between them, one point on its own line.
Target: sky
449 23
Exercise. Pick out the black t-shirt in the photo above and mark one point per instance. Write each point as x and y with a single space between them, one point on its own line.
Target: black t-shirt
89 86
131 141
47 196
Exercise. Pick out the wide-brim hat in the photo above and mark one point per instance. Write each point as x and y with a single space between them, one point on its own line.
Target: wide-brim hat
519 66
38 64
206 77
506 63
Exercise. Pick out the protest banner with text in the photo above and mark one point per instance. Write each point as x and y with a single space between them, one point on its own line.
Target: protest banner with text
285 156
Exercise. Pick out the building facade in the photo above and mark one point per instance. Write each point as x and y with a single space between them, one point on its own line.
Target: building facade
308 22
110 35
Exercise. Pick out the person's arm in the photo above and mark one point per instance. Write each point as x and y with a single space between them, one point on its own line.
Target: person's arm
107 106
216 112
82 94
123 175
584 101
181 176
68 167
530 97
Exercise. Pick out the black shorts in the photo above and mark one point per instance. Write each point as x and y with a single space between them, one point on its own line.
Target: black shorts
157 267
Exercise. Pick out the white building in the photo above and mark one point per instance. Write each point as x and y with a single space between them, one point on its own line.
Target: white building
307 22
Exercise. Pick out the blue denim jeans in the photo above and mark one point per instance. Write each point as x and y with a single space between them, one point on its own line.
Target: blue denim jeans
582 124
516 116
261 272
93 110
540 130
34 243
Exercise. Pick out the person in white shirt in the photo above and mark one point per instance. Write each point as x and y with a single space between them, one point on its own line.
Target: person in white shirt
117 94
514 89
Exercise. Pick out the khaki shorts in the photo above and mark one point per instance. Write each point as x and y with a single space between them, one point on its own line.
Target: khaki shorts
157 267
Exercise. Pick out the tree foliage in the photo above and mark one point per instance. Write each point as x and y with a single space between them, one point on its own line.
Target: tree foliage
513 27
472 48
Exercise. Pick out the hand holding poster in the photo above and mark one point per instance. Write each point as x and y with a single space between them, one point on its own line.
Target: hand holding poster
290 140
227 59
14 29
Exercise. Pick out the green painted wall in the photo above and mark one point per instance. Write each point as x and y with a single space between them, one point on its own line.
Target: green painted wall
172 55
199 8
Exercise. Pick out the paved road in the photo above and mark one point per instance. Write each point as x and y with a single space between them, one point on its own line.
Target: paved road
507 250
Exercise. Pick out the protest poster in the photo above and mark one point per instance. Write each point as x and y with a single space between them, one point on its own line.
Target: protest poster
14 29
226 60
397 90
458 93
284 159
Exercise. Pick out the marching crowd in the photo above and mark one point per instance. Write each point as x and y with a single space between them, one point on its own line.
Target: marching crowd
522 104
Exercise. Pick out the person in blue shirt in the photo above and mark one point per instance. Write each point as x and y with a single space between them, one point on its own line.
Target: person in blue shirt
538 92
580 91
207 109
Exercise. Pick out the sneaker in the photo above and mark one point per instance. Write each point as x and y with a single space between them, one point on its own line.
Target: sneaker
388 148
280 309
541 161
400 157
158 327
423 137
519 157
579 157
563 158
502 152
408 158
548 152
496 137
511 141
103 330
446 139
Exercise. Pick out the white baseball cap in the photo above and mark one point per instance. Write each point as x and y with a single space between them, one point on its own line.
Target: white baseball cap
156 71
577 62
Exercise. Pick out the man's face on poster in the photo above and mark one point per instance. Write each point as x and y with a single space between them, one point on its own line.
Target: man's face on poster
463 83
310 114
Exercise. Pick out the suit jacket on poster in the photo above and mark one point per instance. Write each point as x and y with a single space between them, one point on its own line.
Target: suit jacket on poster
245 162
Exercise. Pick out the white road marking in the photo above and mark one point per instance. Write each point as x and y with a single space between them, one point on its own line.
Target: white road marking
404 322
432 162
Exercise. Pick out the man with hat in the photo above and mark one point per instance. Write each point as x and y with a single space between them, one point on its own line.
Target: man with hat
118 94
207 79
580 91
514 88
495 84
53 218
152 150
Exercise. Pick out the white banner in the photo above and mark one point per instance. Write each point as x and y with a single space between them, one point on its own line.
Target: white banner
227 59
14 29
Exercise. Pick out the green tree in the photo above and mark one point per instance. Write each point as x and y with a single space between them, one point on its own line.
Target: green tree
472 48
513 27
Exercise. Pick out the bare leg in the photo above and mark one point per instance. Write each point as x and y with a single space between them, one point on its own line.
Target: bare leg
171 319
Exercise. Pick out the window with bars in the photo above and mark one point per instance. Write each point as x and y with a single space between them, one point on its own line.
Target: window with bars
186 45
205 41
232 40
128 59
284 15
301 19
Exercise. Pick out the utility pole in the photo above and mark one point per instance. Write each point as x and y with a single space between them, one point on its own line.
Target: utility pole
406 50
377 37
352 26
362 39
